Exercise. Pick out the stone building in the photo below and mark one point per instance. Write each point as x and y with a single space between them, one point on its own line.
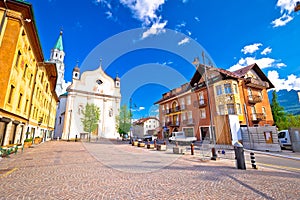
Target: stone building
27 85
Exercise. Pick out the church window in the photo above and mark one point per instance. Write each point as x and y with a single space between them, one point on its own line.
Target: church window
111 112
99 82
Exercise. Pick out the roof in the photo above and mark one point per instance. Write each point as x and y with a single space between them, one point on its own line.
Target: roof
59 43
143 120
243 71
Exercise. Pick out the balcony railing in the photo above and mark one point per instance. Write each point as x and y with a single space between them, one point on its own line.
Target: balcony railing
256 83
173 123
253 99
258 116
200 103
188 122
175 109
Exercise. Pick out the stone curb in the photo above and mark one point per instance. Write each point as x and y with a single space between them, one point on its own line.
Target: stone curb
273 154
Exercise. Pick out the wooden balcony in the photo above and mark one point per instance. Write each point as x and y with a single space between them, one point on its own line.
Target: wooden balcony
253 99
256 83
258 117
175 109
200 103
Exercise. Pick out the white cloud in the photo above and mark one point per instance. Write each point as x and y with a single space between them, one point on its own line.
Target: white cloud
155 29
144 10
261 62
182 24
292 81
282 21
108 14
286 8
197 19
266 51
185 1
184 41
251 48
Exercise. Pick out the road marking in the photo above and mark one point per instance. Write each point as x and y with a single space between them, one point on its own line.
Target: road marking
9 172
280 167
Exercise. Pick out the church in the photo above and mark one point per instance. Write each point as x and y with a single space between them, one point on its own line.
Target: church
93 87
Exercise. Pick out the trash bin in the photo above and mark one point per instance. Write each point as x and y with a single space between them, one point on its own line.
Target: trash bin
239 155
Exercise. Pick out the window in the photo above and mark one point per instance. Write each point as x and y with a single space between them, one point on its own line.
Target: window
235 88
99 82
238 108
227 88
18 58
264 111
12 88
59 120
188 100
189 132
26 105
230 109
25 70
221 110
42 78
183 116
20 99
30 79
202 113
219 89
182 103
250 93
260 94
201 98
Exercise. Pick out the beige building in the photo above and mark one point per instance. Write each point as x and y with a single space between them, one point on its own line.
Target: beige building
27 85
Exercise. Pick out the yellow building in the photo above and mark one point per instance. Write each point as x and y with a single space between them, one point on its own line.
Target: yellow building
27 85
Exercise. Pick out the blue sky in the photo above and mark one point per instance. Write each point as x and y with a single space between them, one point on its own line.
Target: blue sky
158 48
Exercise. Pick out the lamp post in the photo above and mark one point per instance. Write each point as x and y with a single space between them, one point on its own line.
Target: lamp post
130 107
214 155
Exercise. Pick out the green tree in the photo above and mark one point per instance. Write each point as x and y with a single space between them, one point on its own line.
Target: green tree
277 110
91 115
123 120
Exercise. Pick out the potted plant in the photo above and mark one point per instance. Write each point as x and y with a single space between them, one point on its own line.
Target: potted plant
37 140
27 142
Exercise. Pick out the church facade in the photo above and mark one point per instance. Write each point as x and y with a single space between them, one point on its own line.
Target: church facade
93 87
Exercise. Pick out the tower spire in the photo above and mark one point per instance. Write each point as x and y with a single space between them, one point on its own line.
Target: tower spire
59 43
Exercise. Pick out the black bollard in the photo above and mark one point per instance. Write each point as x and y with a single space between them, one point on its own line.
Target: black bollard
192 149
252 158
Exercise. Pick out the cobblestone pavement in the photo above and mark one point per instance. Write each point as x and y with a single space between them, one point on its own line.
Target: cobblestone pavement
74 170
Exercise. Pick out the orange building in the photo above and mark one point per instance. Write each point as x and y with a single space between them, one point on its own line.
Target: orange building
194 109
27 85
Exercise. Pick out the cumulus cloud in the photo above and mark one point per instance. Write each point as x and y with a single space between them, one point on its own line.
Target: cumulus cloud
266 51
184 41
292 81
286 9
251 48
282 21
146 12
261 62
155 29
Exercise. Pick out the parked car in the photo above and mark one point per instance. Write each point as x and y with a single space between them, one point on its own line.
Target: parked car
284 139
181 137
147 137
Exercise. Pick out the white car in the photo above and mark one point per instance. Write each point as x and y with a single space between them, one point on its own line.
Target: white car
284 139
